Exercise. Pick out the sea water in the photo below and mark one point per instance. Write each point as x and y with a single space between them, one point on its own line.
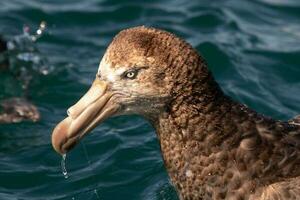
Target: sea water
252 47
65 172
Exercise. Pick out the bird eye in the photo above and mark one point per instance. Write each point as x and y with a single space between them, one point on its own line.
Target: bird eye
130 74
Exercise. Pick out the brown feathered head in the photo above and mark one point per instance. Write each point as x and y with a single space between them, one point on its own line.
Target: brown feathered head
142 71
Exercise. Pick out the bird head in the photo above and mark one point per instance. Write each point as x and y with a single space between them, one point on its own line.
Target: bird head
141 72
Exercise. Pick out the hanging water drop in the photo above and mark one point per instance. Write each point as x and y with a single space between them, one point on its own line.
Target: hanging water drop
63 166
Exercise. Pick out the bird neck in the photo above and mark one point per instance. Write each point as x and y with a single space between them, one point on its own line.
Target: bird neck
210 142
214 146
208 122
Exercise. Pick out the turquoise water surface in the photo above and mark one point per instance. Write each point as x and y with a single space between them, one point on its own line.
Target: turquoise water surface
251 46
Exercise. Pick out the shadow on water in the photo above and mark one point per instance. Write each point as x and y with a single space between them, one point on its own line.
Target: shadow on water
252 47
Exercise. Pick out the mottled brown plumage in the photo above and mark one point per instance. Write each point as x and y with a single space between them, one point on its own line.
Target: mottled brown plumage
14 110
213 147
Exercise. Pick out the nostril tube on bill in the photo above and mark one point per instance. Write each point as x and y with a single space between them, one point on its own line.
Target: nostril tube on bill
69 112
73 111
95 92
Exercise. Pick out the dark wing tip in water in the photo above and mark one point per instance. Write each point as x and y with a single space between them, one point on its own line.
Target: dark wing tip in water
16 110
3 46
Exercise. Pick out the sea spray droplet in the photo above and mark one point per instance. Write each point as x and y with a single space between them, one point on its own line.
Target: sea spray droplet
41 28
63 166
39 32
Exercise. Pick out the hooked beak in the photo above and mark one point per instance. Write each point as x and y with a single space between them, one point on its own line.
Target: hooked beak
95 106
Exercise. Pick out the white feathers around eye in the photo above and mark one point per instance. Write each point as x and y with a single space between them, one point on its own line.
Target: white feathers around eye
108 72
